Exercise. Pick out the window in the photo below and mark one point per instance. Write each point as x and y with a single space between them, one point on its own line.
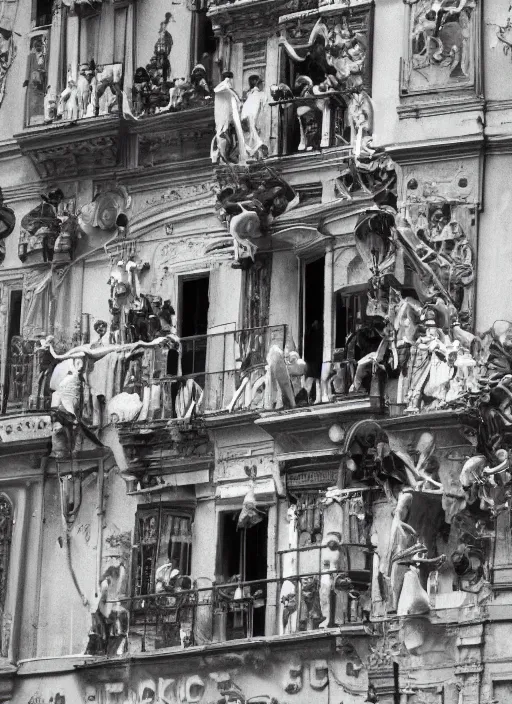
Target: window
356 334
203 44
301 122
350 312
193 322
42 13
103 35
37 76
242 556
313 316
163 536
19 357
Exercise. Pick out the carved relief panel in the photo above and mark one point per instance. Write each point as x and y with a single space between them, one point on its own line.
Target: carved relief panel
440 205
441 50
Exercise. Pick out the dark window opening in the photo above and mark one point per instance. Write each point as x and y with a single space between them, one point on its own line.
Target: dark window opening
313 316
350 314
163 536
289 126
43 12
356 335
16 300
194 322
242 556
19 355
205 43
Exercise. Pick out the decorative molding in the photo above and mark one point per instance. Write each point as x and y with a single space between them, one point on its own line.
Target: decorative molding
24 191
431 70
174 137
498 144
498 105
9 149
437 149
325 10
68 149
416 110
25 427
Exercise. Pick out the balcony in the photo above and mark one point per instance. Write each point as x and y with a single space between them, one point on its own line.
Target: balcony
309 123
196 612
219 372
24 388
247 370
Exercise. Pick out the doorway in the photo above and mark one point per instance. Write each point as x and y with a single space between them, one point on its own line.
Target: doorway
313 280
193 322
242 557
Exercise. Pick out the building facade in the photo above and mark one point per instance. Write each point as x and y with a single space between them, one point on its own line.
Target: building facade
255 354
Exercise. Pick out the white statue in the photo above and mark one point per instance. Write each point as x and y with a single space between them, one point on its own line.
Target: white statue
227 123
251 115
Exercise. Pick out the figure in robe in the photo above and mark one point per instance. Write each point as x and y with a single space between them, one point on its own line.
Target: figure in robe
251 117
229 135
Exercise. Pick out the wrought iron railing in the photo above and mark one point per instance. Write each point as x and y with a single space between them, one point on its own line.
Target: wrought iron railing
207 375
309 123
23 389
209 612
215 372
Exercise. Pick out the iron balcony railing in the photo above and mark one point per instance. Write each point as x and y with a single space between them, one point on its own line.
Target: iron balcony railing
207 374
215 372
199 612
23 385
324 123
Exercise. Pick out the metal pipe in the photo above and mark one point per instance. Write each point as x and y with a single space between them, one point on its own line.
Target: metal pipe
44 464
99 513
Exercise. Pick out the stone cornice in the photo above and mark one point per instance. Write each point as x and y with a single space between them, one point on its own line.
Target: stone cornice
173 121
471 145
9 149
65 150
107 146
22 191
311 161
61 133
499 144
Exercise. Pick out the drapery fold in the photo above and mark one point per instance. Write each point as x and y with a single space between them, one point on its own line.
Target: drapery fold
52 304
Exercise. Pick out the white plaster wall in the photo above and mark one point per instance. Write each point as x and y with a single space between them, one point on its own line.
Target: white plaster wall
13 105
96 290
497 64
494 280
387 50
63 619
284 285
148 19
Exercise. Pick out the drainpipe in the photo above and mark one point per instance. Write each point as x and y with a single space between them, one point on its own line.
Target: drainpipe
99 513
328 314
39 568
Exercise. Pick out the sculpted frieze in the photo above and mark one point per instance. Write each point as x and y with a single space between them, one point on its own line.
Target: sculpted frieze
442 46
175 194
